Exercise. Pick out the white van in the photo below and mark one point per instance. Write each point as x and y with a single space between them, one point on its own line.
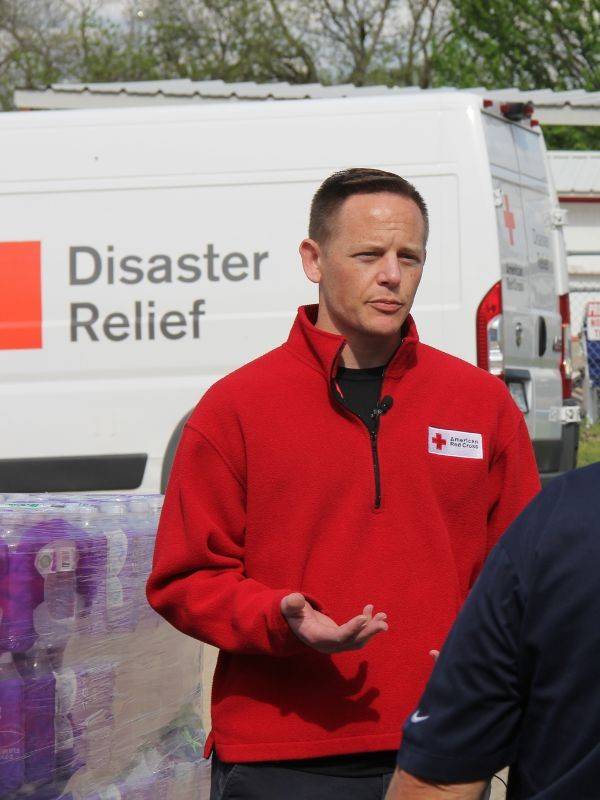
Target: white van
146 252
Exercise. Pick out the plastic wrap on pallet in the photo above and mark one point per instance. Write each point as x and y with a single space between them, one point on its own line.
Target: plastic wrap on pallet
100 699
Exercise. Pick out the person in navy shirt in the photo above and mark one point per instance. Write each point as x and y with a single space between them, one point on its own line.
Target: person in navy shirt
518 680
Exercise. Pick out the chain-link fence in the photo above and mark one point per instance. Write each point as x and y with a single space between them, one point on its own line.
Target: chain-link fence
585 331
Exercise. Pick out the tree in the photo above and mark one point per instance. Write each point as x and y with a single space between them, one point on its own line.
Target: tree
205 38
327 41
572 137
528 44
523 43
45 41
29 50
239 40
354 32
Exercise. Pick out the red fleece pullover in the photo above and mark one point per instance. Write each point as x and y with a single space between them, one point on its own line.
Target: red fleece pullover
273 491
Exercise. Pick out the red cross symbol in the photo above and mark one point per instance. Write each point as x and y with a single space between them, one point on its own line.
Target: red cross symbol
509 220
439 441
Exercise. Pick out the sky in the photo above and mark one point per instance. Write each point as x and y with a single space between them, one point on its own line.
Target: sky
114 8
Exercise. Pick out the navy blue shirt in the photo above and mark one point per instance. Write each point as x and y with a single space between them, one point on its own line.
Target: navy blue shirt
518 679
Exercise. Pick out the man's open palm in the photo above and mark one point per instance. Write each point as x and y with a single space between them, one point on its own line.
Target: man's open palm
321 632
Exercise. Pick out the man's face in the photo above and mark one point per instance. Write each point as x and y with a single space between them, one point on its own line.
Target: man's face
369 268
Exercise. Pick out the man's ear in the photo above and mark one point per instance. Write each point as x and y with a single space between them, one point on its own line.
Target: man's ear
310 253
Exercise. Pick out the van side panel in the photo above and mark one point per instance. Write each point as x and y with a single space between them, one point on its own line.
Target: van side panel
156 285
168 250
531 321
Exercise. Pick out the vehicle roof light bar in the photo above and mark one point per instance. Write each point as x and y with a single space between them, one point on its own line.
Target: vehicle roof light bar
516 112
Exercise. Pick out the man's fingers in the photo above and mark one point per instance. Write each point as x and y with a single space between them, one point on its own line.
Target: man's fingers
292 605
358 637
370 630
375 626
322 633
368 613
351 629
357 626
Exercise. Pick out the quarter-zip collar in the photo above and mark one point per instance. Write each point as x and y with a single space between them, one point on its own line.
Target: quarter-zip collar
322 349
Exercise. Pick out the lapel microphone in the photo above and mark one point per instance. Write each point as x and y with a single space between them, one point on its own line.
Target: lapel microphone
383 406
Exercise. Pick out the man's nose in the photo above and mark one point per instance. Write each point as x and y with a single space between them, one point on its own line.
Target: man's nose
389 274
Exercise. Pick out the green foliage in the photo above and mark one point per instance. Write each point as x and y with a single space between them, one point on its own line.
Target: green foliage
589 445
46 41
523 43
203 40
570 137
326 41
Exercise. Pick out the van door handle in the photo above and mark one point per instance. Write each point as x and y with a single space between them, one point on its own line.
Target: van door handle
542 336
519 333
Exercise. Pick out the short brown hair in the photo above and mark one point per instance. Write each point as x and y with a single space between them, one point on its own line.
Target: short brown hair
360 180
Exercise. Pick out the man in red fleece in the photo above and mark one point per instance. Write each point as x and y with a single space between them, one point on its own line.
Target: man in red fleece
351 465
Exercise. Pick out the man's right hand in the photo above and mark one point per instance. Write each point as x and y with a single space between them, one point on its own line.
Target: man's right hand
321 632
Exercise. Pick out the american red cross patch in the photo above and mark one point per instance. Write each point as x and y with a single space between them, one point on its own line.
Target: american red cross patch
461 444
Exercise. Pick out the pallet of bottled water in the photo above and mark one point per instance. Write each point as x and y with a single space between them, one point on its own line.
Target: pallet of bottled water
100 699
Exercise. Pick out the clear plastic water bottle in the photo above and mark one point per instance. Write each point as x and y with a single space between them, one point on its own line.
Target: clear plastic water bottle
91 566
37 585
54 545
120 569
74 565
144 512
149 777
20 587
85 694
68 757
39 707
12 727
159 773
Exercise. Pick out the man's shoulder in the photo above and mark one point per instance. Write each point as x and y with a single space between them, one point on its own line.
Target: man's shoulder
584 479
445 366
242 388
254 373
576 500
560 520
573 496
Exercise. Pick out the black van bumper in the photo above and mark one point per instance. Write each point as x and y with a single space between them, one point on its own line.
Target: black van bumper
555 457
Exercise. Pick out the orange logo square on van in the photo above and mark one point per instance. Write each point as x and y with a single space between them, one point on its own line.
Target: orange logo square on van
20 296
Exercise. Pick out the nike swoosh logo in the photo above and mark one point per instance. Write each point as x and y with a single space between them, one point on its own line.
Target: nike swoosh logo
416 717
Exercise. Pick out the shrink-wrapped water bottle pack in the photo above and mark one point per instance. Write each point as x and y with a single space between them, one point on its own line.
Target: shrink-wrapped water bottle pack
100 699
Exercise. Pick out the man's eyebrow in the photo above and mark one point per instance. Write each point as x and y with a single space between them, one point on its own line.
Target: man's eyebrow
415 252
368 247
359 246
